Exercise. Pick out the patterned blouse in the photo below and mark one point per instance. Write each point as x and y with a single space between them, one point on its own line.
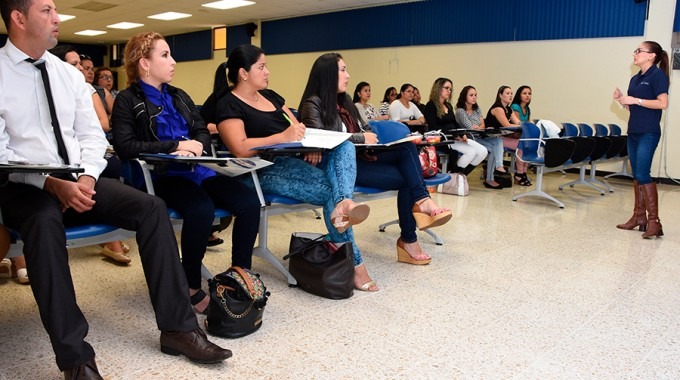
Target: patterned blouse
367 112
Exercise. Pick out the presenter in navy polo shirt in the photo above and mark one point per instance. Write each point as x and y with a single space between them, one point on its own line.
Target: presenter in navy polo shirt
647 97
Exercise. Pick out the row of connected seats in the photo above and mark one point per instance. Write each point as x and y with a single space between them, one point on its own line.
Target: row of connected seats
578 147
138 173
607 146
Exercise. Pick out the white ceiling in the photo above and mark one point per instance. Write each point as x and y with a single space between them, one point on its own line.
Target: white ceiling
202 17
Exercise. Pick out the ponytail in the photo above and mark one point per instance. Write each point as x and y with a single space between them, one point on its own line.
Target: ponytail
661 57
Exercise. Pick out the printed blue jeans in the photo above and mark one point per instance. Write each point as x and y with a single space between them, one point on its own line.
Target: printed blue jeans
326 184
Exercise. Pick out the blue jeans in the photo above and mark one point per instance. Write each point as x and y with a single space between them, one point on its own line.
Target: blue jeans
326 184
641 147
495 147
397 169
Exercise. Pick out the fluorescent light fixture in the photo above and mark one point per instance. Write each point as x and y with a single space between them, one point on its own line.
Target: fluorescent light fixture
228 4
63 18
125 25
90 32
168 16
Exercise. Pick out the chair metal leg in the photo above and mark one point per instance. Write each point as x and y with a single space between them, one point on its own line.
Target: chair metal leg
623 172
539 189
437 239
592 179
582 181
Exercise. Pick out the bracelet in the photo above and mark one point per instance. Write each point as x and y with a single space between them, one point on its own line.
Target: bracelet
639 101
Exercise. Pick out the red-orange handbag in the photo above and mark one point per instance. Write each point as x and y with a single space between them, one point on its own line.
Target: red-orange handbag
428 161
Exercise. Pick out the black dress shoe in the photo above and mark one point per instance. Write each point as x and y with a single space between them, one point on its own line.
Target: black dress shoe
214 242
194 345
85 371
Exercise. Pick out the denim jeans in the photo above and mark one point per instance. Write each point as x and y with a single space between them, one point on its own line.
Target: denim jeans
641 147
495 147
400 170
326 184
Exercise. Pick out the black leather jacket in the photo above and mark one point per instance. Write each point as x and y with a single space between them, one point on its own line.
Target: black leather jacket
133 122
311 117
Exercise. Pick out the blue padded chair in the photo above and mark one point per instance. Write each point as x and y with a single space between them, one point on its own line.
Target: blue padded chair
585 146
388 131
615 131
546 155
78 236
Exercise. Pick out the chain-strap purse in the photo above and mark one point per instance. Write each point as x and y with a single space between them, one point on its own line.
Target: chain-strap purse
237 300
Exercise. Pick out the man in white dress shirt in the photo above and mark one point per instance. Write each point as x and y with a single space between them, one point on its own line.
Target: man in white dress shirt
39 206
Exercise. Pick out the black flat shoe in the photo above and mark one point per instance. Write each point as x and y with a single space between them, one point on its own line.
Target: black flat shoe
214 242
490 186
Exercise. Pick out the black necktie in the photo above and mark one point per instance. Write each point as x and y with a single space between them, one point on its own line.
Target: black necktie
61 148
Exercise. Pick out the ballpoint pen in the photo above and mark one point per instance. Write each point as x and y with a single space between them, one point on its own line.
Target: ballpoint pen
188 139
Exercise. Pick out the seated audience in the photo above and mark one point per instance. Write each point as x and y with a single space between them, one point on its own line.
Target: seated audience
326 105
388 98
39 205
249 115
362 94
115 250
88 71
151 116
440 116
520 108
469 116
104 77
417 98
500 115
404 110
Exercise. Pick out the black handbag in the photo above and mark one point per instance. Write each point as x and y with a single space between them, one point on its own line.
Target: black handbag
237 301
320 266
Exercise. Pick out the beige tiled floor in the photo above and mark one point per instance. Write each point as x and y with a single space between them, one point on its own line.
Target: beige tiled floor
519 290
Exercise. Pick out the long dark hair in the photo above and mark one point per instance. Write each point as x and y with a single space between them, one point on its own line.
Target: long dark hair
498 102
460 103
323 82
386 97
403 88
660 56
357 90
242 57
518 95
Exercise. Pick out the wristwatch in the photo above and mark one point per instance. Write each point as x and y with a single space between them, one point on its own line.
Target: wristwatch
639 101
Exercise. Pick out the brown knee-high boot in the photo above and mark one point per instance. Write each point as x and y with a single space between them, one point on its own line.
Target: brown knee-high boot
639 217
654 228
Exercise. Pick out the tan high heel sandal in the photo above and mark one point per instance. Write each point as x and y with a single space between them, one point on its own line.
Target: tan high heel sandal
357 213
404 257
425 221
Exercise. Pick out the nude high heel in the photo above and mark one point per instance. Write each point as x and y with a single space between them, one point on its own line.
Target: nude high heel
425 220
404 257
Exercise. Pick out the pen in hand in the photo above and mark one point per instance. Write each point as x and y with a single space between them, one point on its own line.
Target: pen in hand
188 139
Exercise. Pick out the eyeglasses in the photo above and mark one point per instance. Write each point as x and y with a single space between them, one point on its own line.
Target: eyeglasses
106 77
447 88
638 51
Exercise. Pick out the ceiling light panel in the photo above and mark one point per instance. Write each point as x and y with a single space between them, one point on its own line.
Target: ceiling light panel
228 4
125 25
168 16
63 18
90 32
